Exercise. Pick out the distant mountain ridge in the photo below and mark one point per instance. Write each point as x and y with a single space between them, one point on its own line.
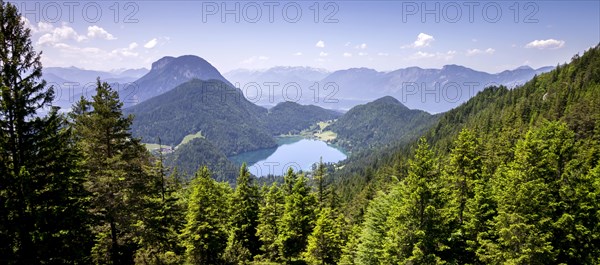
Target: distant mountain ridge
432 90
83 76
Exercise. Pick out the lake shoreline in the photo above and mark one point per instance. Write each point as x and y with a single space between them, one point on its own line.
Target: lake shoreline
294 151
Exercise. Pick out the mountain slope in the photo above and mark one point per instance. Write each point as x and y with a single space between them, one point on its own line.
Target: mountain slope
380 123
291 117
500 117
169 72
218 110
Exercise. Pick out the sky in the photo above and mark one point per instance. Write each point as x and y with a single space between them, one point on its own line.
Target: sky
489 36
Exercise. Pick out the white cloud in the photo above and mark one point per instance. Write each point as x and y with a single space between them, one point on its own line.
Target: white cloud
362 54
473 52
423 40
347 44
91 57
361 46
98 32
151 44
133 45
297 54
59 34
347 54
546 44
323 54
320 44
383 54
263 58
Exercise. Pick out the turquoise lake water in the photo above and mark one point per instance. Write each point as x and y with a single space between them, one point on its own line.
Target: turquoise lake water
296 152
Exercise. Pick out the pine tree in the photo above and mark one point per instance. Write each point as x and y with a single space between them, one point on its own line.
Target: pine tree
115 164
375 227
297 220
319 178
326 241
418 228
43 216
544 210
205 232
161 219
289 180
464 171
268 223
243 243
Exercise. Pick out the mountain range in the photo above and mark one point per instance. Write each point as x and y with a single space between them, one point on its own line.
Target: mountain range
432 90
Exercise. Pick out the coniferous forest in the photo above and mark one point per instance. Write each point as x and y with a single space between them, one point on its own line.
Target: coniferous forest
510 177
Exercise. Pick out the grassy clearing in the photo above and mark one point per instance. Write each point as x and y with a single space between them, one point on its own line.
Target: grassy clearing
326 136
190 137
151 147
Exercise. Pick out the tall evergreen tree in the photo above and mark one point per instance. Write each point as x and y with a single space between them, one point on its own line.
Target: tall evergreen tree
115 164
463 172
243 243
161 218
418 230
319 178
42 201
375 227
325 243
297 220
267 230
205 232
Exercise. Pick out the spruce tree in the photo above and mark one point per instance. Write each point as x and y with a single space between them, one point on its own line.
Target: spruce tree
115 164
463 172
298 219
267 230
374 229
43 216
326 240
205 233
243 243
418 227
161 218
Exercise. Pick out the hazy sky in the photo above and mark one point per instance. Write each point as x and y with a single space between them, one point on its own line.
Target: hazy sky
384 35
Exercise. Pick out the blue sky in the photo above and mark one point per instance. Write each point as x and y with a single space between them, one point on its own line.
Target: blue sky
384 35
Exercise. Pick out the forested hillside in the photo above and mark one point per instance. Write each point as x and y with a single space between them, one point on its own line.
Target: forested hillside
290 117
383 122
218 110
